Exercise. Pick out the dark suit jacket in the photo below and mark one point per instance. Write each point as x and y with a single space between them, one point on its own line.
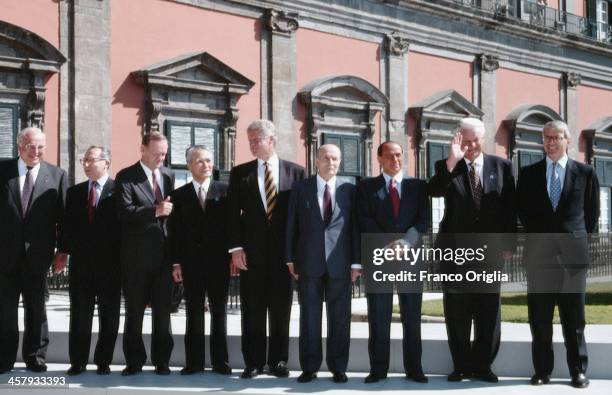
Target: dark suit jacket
199 237
93 247
577 213
36 233
262 241
316 249
142 234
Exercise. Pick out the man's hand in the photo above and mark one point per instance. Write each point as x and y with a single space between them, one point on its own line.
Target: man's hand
239 261
59 262
291 269
355 274
456 152
177 273
163 209
233 271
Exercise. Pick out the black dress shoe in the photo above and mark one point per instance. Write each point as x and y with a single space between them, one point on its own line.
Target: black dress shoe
306 377
539 380
162 370
131 370
187 370
374 378
579 381
457 375
418 377
224 370
37 367
340 377
76 369
103 370
280 370
249 373
487 376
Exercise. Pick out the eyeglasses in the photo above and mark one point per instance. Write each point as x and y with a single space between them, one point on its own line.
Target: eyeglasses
258 140
89 161
553 139
34 147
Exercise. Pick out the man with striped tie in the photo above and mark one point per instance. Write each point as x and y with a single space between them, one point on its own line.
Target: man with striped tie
258 200
557 196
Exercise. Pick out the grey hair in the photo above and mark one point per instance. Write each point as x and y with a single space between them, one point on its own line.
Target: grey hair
189 152
105 153
474 124
327 146
264 127
22 133
558 126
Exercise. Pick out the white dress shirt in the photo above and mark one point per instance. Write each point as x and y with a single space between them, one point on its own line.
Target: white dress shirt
101 181
205 185
560 170
160 179
321 190
273 163
23 169
398 182
478 165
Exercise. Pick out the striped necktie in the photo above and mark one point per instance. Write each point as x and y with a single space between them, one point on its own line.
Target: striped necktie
270 189
555 186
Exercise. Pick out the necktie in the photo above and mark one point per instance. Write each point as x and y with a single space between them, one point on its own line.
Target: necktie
327 205
270 189
91 202
156 190
202 197
476 186
555 186
26 193
395 198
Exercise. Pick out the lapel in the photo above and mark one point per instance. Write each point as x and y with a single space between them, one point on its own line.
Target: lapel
340 198
13 185
383 195
489 175
284 183
568 183
461 180
254 185
41 183
106 190
404 200
167 182
540 170
144 184
192 198
313 201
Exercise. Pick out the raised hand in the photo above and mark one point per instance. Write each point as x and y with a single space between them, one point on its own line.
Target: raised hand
456 152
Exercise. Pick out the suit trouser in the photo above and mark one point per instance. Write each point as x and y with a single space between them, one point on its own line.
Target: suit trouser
139 288
459 311
265 292
196 287
337 295
571 312
36 333
380 309
87 289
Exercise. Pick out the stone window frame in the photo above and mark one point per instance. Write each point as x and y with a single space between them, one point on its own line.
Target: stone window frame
32 59
323 97
160 82
597 135
433 111
524 125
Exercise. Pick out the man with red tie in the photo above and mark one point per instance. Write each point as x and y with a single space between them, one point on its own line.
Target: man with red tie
391 203
90 234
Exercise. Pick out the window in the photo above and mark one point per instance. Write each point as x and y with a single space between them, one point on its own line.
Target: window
183 135
603 167
350 146
436 152
526 158
8 130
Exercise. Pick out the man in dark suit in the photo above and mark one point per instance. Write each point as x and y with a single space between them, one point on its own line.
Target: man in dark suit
258 200
90 235
198 234
558 207
143 204
479 198
32 196
391 203
322 250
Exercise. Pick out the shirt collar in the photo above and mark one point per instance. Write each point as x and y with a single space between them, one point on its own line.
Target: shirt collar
479 161
273 161
561 162
206 184
101 181
21 165
148 171
398 177
321 183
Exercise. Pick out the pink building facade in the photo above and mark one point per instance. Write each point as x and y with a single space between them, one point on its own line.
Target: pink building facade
354 73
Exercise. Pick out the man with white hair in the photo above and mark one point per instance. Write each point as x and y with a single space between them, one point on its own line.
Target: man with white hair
32 195
479 199
258 201
558 202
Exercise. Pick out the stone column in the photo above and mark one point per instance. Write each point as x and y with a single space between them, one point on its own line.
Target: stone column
66 158
282 81
569 108
487 65
396 89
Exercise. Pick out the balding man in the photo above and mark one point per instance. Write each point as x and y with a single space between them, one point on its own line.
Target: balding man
479 198
31 206
322 254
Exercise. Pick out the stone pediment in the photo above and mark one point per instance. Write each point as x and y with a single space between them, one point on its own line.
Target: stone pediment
446 103
21 49
343 88
198 71
598 136
531 116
